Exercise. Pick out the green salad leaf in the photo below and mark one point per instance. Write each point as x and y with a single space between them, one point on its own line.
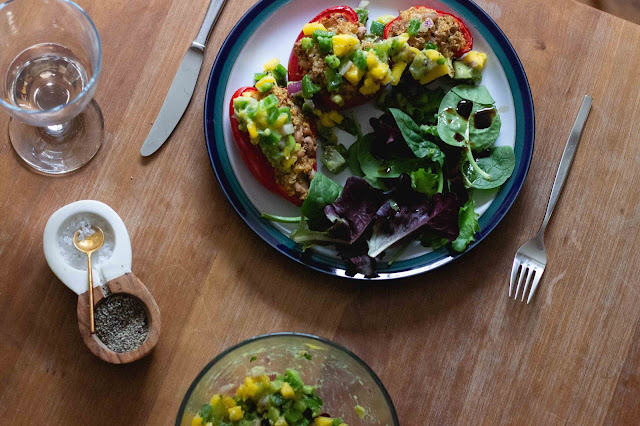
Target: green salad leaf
476 94
322 192
499 165
468 224
413 135
425 181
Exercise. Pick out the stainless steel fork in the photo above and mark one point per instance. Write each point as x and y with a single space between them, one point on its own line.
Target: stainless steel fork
531 258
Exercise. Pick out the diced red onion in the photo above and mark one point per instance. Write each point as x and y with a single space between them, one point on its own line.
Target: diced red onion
346 67
295 88
427 25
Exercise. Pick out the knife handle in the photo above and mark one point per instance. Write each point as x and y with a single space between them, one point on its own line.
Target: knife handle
210 18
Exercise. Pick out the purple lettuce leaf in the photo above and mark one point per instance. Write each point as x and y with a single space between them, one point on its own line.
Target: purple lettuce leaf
354 210
392 224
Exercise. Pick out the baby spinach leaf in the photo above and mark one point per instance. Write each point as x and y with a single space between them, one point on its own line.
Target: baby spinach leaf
374 168
468 224
322 192
452 128
412 134
481 139
476 94
498 165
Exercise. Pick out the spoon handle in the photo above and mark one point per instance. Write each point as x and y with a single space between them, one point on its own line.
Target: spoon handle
92 327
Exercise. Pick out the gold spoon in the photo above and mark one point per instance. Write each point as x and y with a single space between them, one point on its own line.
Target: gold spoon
90 244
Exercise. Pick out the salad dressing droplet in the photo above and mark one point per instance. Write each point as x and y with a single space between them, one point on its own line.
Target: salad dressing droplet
464 108
483 118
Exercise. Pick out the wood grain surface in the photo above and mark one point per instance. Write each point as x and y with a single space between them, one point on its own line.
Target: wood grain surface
449 345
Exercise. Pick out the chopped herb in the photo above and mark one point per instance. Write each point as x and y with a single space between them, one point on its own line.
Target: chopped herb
414 27
253 358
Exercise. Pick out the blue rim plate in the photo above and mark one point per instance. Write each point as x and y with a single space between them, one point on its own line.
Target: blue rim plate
233 58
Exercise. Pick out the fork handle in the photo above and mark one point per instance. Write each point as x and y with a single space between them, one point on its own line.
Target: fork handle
567 159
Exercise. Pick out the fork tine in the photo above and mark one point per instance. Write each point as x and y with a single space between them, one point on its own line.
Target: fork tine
514 274
523 273
534 286
532 273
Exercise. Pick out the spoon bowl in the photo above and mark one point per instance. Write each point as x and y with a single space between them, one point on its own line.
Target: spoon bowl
88 244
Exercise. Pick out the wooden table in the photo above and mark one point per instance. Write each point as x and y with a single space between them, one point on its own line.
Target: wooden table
449 345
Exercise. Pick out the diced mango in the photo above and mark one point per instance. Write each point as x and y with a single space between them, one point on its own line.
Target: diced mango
281 422
309 28
326 121
196 421
475 59
264 80
287 391
414 50
228 402
281 121
438 71
272 64
215 399
433 55
396 72
369 87
336 116
249 388
253 134
354 75
372 60
403 38
343 43
235 414
380 72
323 421
261 117
385 19
387 78
209 424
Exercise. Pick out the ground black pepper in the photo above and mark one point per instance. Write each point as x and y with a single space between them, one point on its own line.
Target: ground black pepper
121 323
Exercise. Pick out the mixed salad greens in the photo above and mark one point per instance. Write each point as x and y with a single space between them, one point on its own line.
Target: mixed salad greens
412 177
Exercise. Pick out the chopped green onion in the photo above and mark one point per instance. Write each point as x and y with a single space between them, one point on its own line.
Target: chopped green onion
377 28
259 76
266 87
363 15
334 80
322 33
441 61
280 74
309 88
332 61
325 44
414 26
269 102
306 43
431 46
360 59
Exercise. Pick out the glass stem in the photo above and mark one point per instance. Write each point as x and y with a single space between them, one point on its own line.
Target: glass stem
58 130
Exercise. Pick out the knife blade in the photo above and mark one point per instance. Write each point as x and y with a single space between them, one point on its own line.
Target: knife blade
183 85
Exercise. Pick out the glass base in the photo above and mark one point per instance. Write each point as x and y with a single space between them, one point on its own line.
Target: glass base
63 148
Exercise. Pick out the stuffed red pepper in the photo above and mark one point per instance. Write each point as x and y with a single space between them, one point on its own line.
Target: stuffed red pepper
329 59
276 141
423 24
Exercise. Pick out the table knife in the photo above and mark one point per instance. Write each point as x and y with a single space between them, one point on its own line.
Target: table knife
184 83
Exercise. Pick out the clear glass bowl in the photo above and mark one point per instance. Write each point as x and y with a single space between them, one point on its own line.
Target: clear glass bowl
343 380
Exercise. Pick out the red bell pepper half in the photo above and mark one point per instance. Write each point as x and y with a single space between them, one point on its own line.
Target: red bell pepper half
463 28
253 156
296 74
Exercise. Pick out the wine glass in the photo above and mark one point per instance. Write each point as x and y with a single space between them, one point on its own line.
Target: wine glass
50 57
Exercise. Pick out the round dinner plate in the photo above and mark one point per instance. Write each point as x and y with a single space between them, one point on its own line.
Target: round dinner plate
268 30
